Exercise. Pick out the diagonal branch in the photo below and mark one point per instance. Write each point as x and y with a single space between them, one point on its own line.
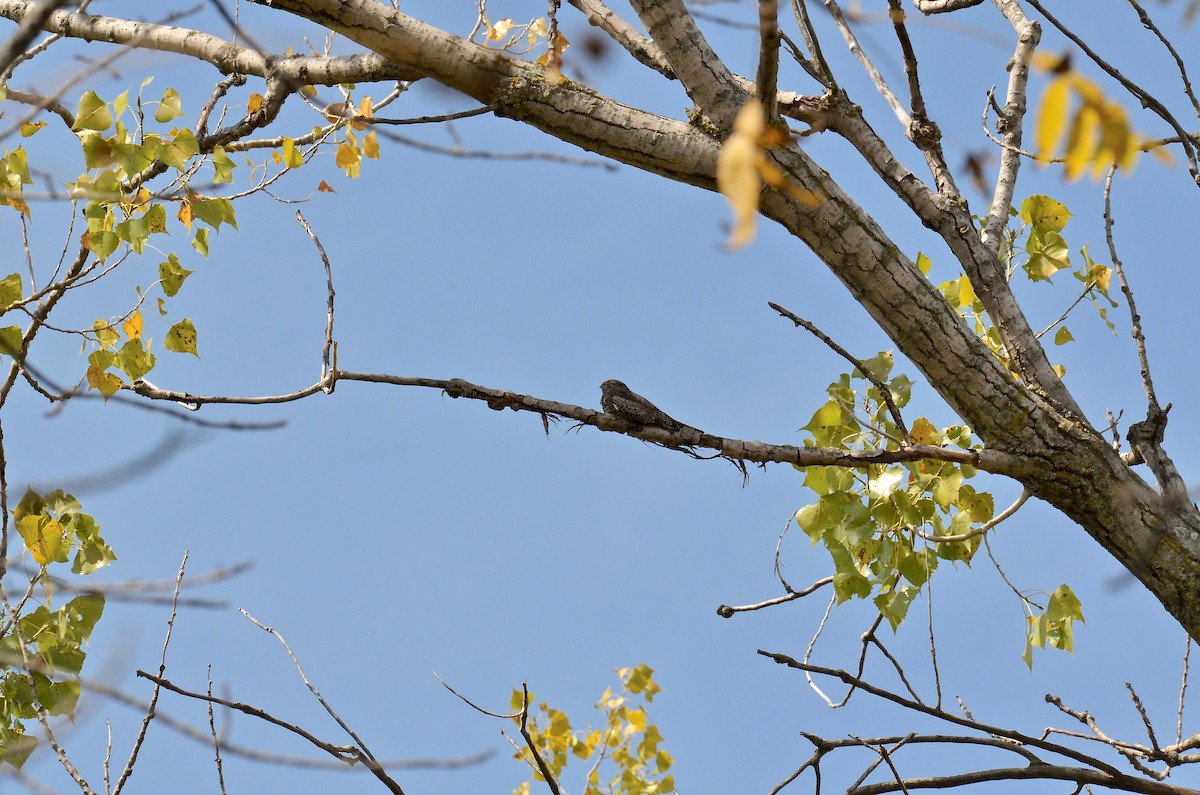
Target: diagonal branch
624 34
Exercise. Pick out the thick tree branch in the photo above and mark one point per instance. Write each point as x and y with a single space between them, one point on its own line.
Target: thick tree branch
707 80
228 57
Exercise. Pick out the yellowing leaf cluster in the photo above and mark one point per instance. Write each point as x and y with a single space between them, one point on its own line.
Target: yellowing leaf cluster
867 518
626 742
1097 128
54 530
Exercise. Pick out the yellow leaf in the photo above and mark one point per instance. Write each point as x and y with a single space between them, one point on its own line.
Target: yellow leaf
292 157
1052 117
922 431
371 146
133 326
185 214
738 172
348 159
256 102
1081 141
966 293
500 29
43 537
325 187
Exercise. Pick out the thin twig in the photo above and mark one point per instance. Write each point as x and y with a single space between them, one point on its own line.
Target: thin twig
127 771
329 352
727 611
542 768
1010 123
1183 682
212 727
1135 320
856 49
884 392
683 440
1141 709
816 65
922 131
368 757
552 157
1150 26
983 528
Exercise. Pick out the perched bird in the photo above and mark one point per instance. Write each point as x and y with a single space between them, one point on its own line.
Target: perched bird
620 401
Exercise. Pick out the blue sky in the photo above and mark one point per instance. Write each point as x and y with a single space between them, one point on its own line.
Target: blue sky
396 532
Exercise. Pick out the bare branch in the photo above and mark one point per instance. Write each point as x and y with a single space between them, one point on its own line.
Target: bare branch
361 752
547 776
624 34
1148 23
127 771
1010 123
885 91
726 611
226 56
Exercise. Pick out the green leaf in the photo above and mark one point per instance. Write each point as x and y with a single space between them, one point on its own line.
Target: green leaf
170 107
182 338
214 212
1055 627
16 746
93 553
135 157
172 275
1044 213
831 425
135 359
1047 255
200 242
981 507
223 166
918 567
181 148
136 231
879 365
894 606
18 166
10 340
102 243
92 113
11 290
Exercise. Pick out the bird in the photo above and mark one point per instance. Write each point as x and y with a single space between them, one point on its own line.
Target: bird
621 401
